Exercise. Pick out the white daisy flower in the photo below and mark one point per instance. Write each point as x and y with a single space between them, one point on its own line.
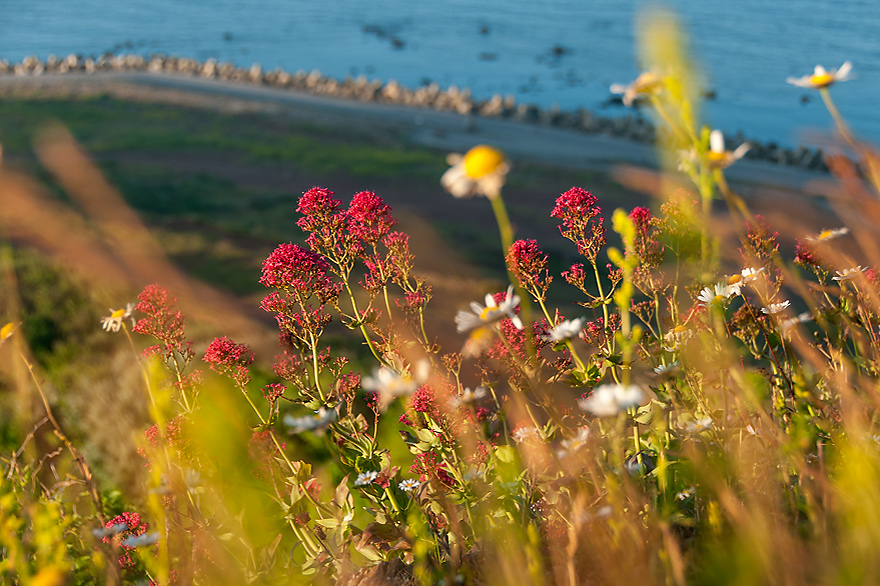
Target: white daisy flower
736 282
391 384
821 78
829 234
667 369
676 337
720 158
113 322
365 478
481 316
523 434
848 274
646 83
719 293
775 308
569 328
409 485
702 424
468 397
321 419
611 399
570 446
685 494
482 170
798 319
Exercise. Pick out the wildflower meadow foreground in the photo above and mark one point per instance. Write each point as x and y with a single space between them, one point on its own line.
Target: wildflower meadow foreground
688 416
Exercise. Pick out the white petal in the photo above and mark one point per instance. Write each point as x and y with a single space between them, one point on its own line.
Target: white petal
844 70
617 88
741 150
716 141
819 70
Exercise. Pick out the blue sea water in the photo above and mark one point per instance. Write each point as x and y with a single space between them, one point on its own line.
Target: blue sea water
562 52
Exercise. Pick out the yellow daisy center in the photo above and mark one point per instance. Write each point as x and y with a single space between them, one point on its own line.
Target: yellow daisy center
679 329
822 80
734 279
481 161
824 235
718 299
715 157
6 331
487 312
117 314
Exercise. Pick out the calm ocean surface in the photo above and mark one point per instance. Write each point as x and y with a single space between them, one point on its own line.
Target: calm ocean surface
563 52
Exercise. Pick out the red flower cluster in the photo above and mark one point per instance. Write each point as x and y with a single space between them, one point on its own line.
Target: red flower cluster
426 467
163 322
647 247
529 265
369 218
273 391
806 256
231 359
299 272
581 222
133 528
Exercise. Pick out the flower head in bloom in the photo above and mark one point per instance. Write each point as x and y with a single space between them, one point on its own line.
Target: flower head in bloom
524 434
228 358
720 158
162 321
469 397
719 293
611 399
668 370
676 337
482 170
737 281
529 266
113 322
321 419
848 274
129 528
389 384
581 222
565 330
300 271
570 446
493 312
829 234
800 318
775 308
646 83
365 478
369 217
821 78
409 485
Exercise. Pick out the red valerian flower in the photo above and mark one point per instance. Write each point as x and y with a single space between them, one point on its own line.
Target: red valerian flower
581 222
231 359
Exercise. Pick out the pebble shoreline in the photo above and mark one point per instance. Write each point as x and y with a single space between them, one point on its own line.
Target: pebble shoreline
452 99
